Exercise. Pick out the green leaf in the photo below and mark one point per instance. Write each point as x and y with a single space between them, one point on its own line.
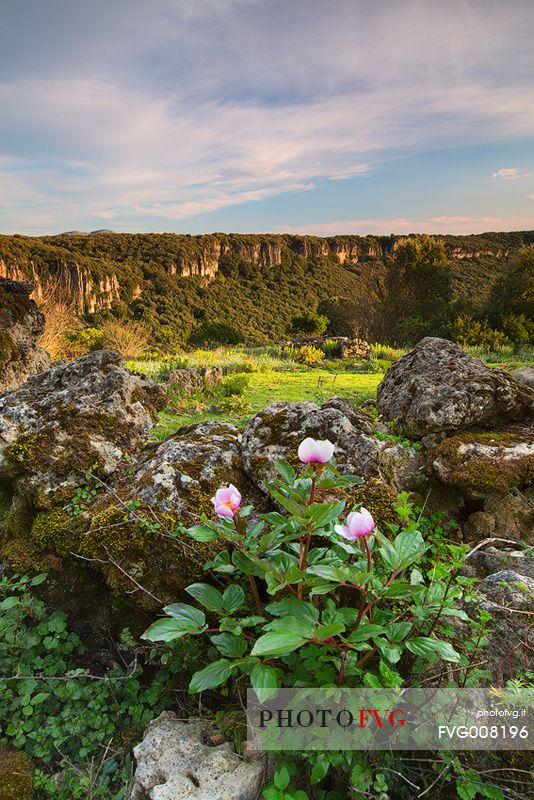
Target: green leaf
213 675
264 680
39 579
425 646
188 615
9 602
285 470
398 631
409 545
392 652
328 631
291 607
466 791
165 630
320 768
327 571
281 778
365 631
229 645
247 565
321 514
202 533
287 503
233 597
277 643
210 597
416 577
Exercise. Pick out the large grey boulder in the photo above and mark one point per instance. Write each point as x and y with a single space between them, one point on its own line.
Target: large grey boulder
524 375
87 415
175 763
485 464
439 388
276 432
21 324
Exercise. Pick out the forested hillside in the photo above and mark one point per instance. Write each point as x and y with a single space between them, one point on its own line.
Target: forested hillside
381 287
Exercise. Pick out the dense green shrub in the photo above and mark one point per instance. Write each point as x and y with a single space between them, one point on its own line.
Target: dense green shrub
310 324
214 333
55 711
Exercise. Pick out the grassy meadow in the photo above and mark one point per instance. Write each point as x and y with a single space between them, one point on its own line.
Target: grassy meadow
255 377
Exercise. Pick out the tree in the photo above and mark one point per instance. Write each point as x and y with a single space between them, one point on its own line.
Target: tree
310 324
420 289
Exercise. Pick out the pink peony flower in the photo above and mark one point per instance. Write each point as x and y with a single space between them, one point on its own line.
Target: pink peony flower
359 523
226 501
313 451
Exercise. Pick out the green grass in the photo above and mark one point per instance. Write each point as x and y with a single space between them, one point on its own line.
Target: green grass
316 385
271 378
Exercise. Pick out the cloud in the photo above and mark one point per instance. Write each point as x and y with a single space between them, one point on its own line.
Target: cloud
350 172
509 174
439 224
231 102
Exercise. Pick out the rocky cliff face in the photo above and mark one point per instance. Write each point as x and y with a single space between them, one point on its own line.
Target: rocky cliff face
91 267
21 324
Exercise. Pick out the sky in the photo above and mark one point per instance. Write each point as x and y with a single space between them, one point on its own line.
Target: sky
302 116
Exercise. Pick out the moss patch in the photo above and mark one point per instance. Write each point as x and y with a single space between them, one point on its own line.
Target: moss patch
16 775
484 474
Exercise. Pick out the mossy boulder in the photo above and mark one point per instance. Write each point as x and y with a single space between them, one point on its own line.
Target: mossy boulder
276 432
89 415
130 531
16 775
21 324
438 387
485 464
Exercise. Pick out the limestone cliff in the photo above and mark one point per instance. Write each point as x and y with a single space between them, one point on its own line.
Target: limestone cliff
101 269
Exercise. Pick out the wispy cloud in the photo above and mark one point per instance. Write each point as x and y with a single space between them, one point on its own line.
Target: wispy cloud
350 172
234 102
440 224
509 174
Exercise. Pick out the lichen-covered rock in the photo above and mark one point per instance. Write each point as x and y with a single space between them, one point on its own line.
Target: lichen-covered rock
89 414
484 464
513 515
489 560
129 531
479 526
180 475
276 432
508 597
524 375
21 324
438 387
16 775
173 761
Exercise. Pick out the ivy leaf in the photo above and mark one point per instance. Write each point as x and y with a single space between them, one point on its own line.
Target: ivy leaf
426 647
277 643
210 597
233 597
211 676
